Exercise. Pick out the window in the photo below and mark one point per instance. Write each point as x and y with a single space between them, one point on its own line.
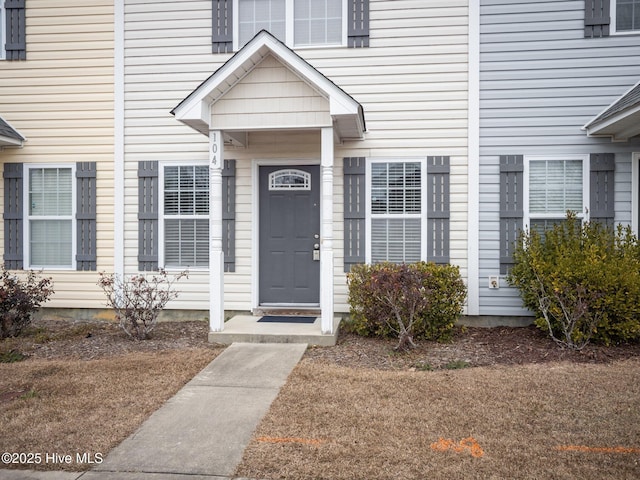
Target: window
295 22
396 199
3 34
626 15
256 15
317 22
186 215
50 217
290 180
554 186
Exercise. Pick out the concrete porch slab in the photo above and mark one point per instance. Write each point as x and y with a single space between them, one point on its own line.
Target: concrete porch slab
247 329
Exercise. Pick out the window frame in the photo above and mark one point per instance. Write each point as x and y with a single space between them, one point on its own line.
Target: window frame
3 32
28 217
162 217
289 39
370 216
527 216
613 7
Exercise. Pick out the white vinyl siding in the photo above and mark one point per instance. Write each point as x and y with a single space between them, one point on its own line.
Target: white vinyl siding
294 22
411 82
186 216
396 211
50 222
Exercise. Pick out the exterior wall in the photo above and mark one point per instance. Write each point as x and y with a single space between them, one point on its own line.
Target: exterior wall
540 82
61 99
270 95
411 82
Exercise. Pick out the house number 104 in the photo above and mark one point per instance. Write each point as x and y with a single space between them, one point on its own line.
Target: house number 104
215 148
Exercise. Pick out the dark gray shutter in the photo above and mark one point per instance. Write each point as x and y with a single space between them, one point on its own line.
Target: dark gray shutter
222 38
354 211
596 18
13 215
358 31
229 215
438 209
148 200
86 216
601 189
16 43
511 213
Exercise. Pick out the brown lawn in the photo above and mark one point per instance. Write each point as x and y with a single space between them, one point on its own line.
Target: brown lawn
521 408
83 394
536 421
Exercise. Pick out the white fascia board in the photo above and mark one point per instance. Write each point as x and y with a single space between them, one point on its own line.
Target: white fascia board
607 128
10 142
595 118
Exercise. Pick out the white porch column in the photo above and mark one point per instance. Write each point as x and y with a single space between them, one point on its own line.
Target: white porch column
216 256
326 243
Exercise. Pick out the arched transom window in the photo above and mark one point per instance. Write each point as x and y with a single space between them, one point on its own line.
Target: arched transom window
289 179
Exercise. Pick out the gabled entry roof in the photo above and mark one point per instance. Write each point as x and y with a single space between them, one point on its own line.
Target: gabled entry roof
9 136
195 110
620 120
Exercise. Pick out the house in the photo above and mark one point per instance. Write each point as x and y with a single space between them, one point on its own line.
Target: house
268 146
559 125
334 135
57 143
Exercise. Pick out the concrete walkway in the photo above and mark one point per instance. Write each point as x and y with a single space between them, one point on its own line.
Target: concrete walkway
200 433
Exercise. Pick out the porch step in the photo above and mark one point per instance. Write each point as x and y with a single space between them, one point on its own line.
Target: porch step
247 329
292 311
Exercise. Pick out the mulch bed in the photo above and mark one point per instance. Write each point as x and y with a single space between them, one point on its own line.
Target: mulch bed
470 347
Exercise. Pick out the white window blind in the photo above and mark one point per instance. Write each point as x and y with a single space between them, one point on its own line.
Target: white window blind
186 216
396 206
256 15
555 186
50 217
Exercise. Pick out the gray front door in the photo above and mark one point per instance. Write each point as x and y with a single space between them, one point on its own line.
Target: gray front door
289 234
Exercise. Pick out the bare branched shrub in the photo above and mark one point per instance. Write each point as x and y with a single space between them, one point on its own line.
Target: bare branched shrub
19 298
569 315
139 299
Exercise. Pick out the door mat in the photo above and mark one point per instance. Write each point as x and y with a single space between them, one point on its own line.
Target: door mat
285 319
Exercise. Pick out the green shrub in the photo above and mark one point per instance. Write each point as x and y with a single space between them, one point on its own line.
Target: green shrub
19 298
426 296
582 281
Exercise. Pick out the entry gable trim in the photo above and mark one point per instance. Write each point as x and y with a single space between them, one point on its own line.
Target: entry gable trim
195 109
